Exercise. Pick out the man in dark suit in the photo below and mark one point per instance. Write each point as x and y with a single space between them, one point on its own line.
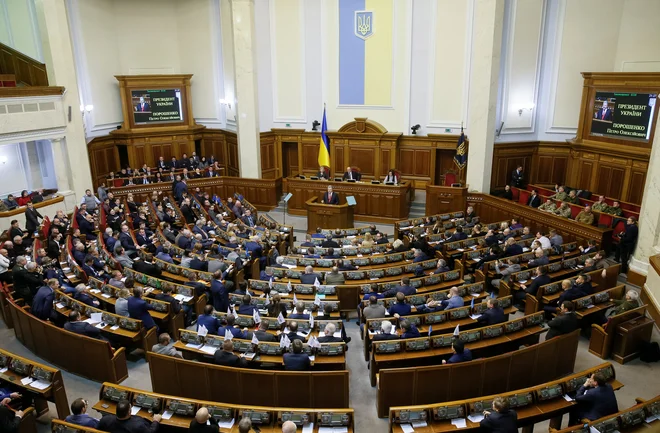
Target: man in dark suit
626 245
400 307
511 248
293 332
564 323
42 305
147 267
10 421
461 353
458 235
442 267
595 399
517 177
83 297
248 219
203 422
330 243
542 278
143 106
385 332
219 291
226 357
138 309
25 282
501 419
493 315
246 308
403 287
298 360
262 333
300 312
31 218
79 327
604 113
310 276
124 422
330 197
209 321
329 334
352 175
534 200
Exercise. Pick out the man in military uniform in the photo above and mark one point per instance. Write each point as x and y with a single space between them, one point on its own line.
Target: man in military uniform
615 209
573 198
564 210
600 205
561 194
586 216
548 206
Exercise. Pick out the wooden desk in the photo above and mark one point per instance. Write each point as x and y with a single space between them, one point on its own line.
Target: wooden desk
629 337
327 216
375 202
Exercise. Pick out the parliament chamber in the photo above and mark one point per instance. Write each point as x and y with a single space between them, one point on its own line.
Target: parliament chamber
329 217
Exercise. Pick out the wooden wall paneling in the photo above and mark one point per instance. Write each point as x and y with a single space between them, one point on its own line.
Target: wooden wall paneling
310 158
268 156
636 184
339 161
26 69
362 157
385 163
507 157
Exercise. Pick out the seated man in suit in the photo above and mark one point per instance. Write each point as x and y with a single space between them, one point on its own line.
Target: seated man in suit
226 357
493 315
262 333
505 270
334 277
511 248
501 419
454 301
311 254
138 308
534 200
79 416
246 308
540 259
298 360
147 266
123 421
248 219
328 335
310 276
329 242
403 287
79 327
299 314
419 256
542 278
441 267
293 332
565 322
329 197
385 332
308 242
400 308
165 346
595 399
408 330
458 235
209 321
82 296
351 175
461 353
233 329
42 305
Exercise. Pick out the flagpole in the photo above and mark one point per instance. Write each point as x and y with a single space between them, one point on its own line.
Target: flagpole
460 171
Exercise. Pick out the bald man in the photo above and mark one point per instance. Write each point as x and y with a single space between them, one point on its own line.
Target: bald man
289 427
198 425
244 425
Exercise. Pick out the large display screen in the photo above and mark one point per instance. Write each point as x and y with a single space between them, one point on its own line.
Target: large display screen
156 106
623 115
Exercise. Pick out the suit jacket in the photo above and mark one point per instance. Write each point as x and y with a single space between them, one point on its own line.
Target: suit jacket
134 424
147 268
330 339
500 422
539 281
329 243
9 422
400 309
460 357
517 178
595 403
513 250
83 328
42 305
534 201
228 359
175 306
264 336
220 296
139 309
380 337
296 361
354 175
330 199
562 324
247 310
31 221
310 278
607 115
211 323
630 235
250 221
492 316
126 241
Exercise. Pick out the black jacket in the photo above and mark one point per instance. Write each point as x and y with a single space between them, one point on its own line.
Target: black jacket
534 201
83 328
134 424
196 427
296 361
539 281
562 324
146 268
220 357
9 422
492 316
500 422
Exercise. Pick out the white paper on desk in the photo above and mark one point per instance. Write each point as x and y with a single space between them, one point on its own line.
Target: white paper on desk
333 430
167 414
477 260
208 349
97 317
202 331
419 424
590 306
525 249
459 422
114 328
289 266
309 428
95 290
4 370
187 299
337 334
105 295
59 305
226 424
476 417
27 380
66 269
593 429
651 419
194 346
568 397
100 325
407 428
90 321
135 410
178 297
476 295
460 249
522 281
40 384
312 358
475 316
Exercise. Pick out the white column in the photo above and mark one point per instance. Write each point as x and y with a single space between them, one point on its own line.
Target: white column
58 56
648 243
486 50
245 73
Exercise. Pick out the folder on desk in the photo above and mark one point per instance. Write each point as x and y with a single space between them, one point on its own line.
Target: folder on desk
350 200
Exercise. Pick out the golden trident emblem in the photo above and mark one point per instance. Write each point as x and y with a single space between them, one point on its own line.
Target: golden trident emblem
363 24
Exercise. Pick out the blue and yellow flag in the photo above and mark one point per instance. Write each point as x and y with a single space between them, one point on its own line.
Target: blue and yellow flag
460 159
324 144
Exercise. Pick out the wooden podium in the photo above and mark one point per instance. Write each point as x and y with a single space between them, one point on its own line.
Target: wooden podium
327 216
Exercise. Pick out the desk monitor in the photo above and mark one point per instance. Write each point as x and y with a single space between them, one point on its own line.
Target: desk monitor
272 349
4 360
108 290
459 313
480 406
470 336
95 284
258 417
161 307
214 340
438 296
416 299
417 344
653 409
574 383
632 418
607 372
181 408
552 288
608 426
438 317
534 319
302 176
375 182
314 177
513 325
334 419
403 416
475 288
42 374
221 414
380 260
462 291
442 340
376 273
303 289
331 349
113 394
338 179
131 325
493 331
326 290
245 321
583 303
242 346
416 283
549 392
387 346
415 320
480 308
351 180
191 337
298 418
571 263
522 276
432 279
554 267
505 302
601 297
146 401
520 400
448 412
451 275
20 367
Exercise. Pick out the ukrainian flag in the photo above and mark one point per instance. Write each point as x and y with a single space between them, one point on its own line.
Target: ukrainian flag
324 144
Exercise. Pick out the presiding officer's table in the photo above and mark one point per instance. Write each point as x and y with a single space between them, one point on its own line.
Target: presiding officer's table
375 202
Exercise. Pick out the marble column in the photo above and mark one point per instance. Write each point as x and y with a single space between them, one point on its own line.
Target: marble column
648 243
245 76
63 172
486 51
58 56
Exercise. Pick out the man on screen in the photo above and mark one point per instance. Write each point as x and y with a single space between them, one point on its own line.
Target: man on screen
143 106
330 197
604 113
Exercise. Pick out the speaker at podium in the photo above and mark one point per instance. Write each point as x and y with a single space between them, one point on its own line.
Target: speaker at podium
329 216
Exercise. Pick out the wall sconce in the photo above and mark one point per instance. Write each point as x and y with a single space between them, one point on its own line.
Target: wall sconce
226 103
3 159
522 108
